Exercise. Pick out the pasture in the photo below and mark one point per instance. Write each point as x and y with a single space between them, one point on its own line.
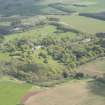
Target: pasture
12 90
40 32
29 8
94 68
84 24
76 92
37 7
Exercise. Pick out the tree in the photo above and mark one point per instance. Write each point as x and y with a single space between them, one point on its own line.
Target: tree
1 39
16 23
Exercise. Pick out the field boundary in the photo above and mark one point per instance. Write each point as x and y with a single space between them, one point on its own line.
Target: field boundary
27 96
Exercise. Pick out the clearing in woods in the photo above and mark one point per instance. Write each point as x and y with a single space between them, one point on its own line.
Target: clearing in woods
95 68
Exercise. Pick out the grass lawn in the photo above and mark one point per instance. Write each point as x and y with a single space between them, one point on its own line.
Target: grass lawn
11 91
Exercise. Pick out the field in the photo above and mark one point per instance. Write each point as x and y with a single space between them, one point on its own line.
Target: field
84 24
45 47
93 6
76 92
26 8
86 92
40 32
100 15
95 68
12 90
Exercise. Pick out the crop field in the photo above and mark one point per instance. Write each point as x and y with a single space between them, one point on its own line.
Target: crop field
76 92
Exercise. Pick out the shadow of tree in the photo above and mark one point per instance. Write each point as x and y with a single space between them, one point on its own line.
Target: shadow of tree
96 87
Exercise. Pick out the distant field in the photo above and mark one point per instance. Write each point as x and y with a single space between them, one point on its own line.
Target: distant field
34 33
11 91
96 67
78 92
93 6
100 15
34 7
39 32
29 8
80 6
84 24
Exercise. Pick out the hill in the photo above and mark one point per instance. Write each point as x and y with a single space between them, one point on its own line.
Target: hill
49 42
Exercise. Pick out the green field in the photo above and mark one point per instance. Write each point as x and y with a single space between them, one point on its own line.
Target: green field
40 32
92 6
84 24
12 90
33 33
26 8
